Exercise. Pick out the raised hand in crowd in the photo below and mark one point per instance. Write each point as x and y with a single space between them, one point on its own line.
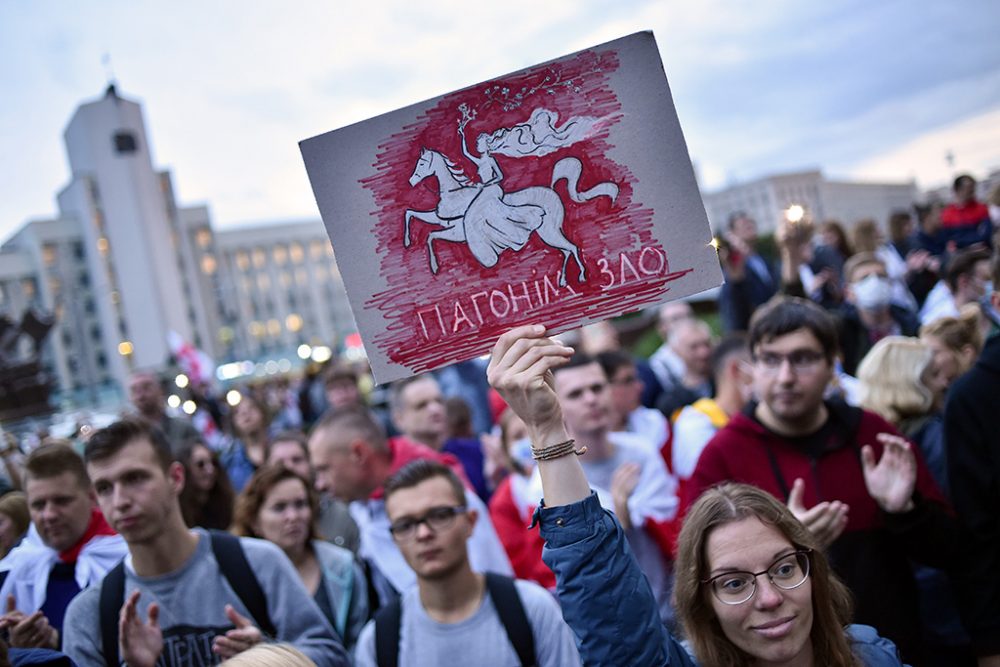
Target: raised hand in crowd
139 644
623 483
28 630
825 520
520 369
243 636
892 479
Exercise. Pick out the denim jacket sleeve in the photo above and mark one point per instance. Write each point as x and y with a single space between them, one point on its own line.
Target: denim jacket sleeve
605 598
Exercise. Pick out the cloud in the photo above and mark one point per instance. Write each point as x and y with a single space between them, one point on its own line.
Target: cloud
229 88
972 141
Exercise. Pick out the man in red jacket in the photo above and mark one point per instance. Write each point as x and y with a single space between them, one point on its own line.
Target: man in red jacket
870 496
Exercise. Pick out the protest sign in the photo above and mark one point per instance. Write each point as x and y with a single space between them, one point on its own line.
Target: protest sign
562 194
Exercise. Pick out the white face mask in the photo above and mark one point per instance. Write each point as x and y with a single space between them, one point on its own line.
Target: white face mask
872 293
520 451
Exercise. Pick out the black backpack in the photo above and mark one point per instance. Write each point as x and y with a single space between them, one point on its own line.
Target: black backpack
509 608
234 567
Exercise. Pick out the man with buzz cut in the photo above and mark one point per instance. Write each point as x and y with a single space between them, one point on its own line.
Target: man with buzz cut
181 597
455 613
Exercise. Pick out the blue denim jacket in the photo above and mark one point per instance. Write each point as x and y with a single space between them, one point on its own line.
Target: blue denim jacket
609 605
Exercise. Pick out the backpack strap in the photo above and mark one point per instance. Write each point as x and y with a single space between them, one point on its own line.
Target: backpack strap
388 621
236 569
513 617
112 599
507 602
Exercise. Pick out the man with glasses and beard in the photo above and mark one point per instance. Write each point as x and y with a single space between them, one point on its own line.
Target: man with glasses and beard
869 494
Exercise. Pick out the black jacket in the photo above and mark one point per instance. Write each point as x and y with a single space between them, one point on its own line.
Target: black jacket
972 440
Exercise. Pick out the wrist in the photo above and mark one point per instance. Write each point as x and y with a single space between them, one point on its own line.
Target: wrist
547 434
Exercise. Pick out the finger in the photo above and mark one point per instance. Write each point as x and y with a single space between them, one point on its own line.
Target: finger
31 623
827 519
11 604
795 502
812 515
227 647
507 339
527 378
867 458
526 347
236 619
248 636
154 615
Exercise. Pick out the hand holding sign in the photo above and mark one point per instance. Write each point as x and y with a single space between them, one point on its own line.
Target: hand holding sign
565 196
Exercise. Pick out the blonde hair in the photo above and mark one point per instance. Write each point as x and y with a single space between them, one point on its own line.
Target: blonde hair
957 333
891 377
865 235
270 655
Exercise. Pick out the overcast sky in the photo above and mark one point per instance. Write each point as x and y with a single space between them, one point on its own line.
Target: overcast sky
877 90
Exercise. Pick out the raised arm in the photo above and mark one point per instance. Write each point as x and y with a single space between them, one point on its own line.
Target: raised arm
605 598
521 370
465 149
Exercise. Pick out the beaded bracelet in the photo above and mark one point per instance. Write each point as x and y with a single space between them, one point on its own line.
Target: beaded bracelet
556 451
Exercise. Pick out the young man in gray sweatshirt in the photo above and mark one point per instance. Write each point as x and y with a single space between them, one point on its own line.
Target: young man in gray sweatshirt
179 608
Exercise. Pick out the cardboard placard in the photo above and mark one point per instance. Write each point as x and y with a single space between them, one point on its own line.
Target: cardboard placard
562 194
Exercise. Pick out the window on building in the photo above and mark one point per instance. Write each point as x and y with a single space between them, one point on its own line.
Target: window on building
29 288
280 254
203 237
78 250
83 279
208 265
295 253
263 282
102 360
95 333
88 306
125 142
242 260
49 254
259 258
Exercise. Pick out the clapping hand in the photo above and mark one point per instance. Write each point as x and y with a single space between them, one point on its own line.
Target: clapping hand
891 481
240 638
825 520
139 644
623 483
28 631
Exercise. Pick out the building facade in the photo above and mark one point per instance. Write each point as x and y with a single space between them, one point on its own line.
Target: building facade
767 199
123 265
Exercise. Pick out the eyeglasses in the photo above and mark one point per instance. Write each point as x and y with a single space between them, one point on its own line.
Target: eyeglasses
437 518
801 361
788 572
204 464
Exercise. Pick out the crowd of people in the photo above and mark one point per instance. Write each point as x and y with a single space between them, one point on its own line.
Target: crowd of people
812 479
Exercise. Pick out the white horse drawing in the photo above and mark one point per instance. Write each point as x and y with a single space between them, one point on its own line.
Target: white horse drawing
486 238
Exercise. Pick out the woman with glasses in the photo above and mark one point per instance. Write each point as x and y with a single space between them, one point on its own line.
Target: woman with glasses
207 498
279 505
752 586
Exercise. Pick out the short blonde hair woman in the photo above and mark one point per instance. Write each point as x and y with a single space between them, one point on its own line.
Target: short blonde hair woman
898 379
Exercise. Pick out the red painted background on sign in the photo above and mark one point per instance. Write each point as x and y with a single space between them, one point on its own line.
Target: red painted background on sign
436 319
